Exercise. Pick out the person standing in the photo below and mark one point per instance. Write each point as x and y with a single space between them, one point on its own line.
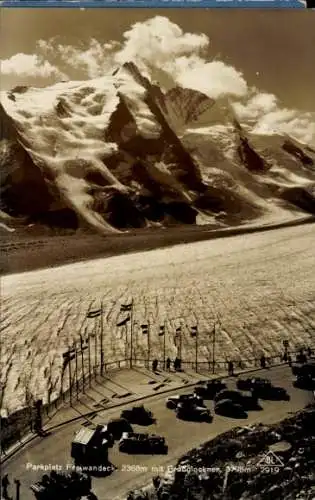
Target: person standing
231 368
5 483
18 487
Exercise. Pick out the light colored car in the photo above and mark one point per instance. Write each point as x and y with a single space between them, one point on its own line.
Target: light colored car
173 401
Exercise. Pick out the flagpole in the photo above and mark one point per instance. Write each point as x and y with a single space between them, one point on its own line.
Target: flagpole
76 370
149 347
82 363
180 344
136 340
126 341
196 346
131 333
70 375
102 342
95 355
89 354
213 350
164 346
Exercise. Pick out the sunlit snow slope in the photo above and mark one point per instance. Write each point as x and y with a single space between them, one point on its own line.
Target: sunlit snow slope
117 152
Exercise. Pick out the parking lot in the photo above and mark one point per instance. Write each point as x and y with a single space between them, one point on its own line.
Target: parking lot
135 470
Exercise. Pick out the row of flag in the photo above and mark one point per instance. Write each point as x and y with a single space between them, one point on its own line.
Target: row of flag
124 308
127 308
72 351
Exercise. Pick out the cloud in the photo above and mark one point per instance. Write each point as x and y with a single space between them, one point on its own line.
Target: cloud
255 106
216 79
266 116
157 41
162 44
29 65
94 60
297 124
154 44
159 44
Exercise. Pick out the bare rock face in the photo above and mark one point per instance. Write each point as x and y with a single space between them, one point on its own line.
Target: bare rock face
117 153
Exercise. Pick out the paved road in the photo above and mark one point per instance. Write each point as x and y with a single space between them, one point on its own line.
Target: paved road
133 471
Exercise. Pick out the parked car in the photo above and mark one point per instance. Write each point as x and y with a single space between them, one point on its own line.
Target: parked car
304 369
272 392
229 408
250 384
188 410
173 401
132 442
117 426
62 486
304 382
90 446
247 400
138 415
210 388
262 388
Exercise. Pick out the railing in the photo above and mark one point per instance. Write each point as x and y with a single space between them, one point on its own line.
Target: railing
220 366
21 423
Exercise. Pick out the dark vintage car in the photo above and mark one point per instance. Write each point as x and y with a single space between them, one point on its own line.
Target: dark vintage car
117 426
62 486
210 388
132 442
247 400
304 382
230 408
250 384
173 401
188 410
138 415
272 392
262 388
304 369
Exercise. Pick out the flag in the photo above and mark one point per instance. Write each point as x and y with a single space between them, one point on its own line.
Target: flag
94 314
144 329
193 331
178 331
213 331
162 331
125 307
68 356
84 343
123 321
177 334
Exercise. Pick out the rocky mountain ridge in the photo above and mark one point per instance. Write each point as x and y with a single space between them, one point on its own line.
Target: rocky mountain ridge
118 152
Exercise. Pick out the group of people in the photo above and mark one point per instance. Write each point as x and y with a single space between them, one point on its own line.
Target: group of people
301 358
177 364
5 483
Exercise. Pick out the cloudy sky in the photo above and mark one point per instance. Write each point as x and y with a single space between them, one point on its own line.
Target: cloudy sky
264 60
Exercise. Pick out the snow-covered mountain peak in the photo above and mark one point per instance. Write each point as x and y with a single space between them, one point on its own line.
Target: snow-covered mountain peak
118 151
